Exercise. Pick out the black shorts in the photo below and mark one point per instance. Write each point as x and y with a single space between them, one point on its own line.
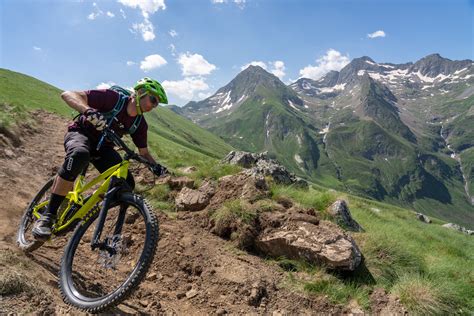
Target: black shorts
80 151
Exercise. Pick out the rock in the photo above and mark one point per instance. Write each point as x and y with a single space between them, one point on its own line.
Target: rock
187 170
154 305
257 293
270 167
241 158
325 243
9 153
152 277
262 165
221 311
180 295
191 293
459 228
239 186
340 211
194 200
177 183
423 218
144 303
286 202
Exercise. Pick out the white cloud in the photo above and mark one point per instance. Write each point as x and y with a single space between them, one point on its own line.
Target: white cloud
240 3
186 89
105 85
278 69
36 48
98 12
131 63
173 49
123 14
333 60
275 67
151 62
110 14
255 63
173 33
378 33
195 65
146 29
146 6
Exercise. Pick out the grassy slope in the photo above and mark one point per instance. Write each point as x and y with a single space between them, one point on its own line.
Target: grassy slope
170 134
428 266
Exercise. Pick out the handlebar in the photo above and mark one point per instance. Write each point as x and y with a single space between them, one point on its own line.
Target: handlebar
113 137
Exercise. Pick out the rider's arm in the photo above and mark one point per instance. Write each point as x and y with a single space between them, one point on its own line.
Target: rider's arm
146 154
76 100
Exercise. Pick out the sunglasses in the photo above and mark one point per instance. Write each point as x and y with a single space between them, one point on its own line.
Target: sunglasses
153 99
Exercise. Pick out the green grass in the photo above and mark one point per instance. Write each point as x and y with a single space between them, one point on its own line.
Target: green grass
428 266
10 114
19 89
232 210
320 200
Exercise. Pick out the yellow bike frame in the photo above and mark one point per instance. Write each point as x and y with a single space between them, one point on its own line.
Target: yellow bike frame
75 196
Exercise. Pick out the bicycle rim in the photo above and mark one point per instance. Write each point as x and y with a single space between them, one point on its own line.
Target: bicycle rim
94 280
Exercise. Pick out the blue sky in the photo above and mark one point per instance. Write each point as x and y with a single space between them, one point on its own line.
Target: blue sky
197 46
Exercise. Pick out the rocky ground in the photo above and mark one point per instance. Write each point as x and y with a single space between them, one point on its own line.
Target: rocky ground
193 272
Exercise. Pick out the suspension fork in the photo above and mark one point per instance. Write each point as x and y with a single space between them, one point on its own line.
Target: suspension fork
112 190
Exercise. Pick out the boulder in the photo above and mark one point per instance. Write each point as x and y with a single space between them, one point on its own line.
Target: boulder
239 186
423 218
194 200
241 158
341 213
262 165
324 243
459 228
177 183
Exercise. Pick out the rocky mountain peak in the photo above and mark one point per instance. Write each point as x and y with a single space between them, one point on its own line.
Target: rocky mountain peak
434 65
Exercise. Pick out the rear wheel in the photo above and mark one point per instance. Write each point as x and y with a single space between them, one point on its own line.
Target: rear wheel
94 280
25 239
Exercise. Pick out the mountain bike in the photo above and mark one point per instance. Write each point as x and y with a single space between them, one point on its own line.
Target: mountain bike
101 265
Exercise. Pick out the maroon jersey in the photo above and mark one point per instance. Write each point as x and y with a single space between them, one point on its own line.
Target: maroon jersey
105 101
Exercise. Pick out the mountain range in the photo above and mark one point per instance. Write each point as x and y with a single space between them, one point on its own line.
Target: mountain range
401 133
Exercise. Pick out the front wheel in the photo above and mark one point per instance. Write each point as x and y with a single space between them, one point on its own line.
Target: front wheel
25 239
95 280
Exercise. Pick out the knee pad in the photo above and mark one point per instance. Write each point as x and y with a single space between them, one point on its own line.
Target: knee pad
74 163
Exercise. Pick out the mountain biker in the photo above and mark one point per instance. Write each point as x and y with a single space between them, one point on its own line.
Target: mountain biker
83 136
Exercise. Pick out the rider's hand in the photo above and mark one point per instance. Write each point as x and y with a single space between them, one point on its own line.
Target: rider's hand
95 118
159 170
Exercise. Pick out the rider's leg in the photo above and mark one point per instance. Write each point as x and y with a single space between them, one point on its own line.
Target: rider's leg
77 158
108 157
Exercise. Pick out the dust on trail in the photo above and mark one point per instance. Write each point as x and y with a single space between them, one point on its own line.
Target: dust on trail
193 271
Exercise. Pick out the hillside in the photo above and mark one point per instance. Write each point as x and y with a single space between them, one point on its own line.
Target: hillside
167 130
399 133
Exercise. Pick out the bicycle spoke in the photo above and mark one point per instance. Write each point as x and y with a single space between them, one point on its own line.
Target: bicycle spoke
97 273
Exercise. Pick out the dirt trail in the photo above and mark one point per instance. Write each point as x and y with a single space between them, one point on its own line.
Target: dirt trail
193 272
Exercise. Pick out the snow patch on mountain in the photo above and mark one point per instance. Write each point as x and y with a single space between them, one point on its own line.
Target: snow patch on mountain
226 104
293 105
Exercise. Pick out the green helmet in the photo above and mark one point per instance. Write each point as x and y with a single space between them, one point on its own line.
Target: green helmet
152 87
